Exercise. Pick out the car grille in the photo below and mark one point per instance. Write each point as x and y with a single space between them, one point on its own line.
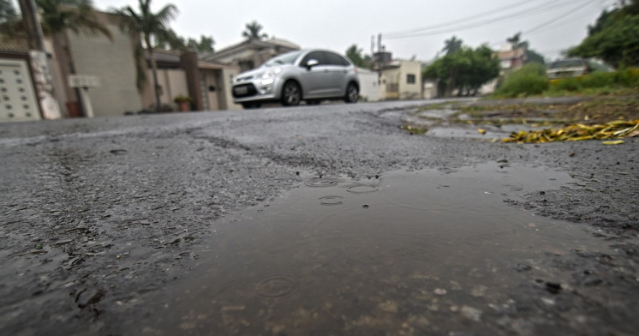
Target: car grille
244 90
245 78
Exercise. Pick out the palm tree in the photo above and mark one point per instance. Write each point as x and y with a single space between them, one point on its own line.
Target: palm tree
78 16
148 25
253 31
452 45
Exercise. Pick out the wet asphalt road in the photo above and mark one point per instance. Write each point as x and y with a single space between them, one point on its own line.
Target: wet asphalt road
97 214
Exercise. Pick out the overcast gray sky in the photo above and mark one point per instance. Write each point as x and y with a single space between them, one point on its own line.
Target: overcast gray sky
337 24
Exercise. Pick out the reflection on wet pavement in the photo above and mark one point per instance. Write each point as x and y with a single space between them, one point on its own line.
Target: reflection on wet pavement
419 253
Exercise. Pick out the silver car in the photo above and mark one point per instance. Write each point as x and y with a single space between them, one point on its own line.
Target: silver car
304 75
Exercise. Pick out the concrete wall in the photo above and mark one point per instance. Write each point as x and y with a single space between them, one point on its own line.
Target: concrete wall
113 64
173 83
226 100
368 86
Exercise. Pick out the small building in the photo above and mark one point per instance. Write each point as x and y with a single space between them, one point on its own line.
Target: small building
251 53
511 59
400 79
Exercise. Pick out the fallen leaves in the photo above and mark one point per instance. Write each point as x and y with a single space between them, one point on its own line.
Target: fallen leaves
611 130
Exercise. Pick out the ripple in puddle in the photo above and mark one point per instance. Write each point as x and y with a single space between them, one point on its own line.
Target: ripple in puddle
361 189
317 182
331 200
275 287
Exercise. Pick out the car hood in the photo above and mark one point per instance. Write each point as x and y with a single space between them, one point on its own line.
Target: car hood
249 75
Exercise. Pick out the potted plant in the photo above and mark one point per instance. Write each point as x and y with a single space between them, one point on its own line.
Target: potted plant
183 102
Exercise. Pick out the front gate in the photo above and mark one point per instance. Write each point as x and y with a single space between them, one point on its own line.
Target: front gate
17 97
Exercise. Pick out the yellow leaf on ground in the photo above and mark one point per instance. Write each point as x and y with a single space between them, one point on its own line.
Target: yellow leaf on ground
481 131
616 142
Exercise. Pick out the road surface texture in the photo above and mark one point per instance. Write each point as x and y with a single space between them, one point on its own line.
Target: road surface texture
103 222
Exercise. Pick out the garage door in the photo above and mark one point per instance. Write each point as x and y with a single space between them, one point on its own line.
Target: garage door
17 99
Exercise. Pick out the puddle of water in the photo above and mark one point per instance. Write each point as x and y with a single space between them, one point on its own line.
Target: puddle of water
417 252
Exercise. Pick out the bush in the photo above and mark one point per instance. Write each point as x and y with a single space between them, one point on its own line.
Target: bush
598 80
529 80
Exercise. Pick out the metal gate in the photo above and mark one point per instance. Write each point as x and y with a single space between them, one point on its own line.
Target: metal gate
17 98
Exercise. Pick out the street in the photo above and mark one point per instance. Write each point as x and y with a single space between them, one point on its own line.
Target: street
313 220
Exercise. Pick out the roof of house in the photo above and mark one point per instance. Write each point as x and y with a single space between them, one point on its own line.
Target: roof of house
511 54
15 45
250 44
165 56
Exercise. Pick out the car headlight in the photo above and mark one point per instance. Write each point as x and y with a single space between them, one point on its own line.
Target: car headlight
268 77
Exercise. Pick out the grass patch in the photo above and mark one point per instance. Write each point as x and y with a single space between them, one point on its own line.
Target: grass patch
531 81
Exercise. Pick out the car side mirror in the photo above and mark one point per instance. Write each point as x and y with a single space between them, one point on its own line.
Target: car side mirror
311 63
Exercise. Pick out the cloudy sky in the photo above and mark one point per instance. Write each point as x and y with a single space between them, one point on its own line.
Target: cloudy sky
409 27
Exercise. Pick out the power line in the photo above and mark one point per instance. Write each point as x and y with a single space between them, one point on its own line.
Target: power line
553 20
473 17
537 10
540 28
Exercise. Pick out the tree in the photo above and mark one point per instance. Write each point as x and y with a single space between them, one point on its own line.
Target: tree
78 16
148 25
204 45
356 55
614 38
253 31
169 40
530 55
7 11
452 45
466 70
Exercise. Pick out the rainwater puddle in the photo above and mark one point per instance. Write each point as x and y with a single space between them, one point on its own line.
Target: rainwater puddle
415 253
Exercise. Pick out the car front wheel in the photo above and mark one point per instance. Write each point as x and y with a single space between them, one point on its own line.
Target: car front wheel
352 93
291 94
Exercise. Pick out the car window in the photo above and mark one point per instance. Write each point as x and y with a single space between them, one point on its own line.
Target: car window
567 64
288 58
335 59
316 55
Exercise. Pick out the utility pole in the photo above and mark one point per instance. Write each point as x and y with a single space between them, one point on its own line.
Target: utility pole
32 24
379 58
43 80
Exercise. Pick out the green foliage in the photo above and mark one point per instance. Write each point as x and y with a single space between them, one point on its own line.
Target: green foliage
529 80
170 40
254 31
77 16
452 45
466 70
534 57
628 78
356 55
205 44
614 38
149 25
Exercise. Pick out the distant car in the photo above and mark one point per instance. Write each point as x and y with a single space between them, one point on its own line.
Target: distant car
574 67
304 75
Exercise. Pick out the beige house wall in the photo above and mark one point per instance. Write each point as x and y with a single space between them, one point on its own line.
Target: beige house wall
389 78
410 90
58 77
112 62
226 102
172 82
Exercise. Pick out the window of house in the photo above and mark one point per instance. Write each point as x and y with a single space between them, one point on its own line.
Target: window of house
410 79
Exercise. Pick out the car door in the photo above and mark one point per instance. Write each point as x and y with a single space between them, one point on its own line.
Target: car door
338 70
314 79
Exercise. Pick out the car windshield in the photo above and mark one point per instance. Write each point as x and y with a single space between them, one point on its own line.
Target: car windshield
567 64
288 58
